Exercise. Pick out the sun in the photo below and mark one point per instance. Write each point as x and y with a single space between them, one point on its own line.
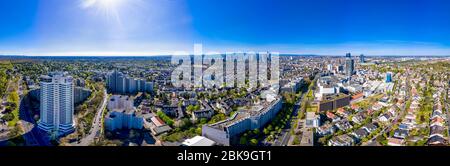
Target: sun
108 9
103 4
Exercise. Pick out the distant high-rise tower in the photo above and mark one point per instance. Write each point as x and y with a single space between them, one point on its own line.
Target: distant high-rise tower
57 104
349 65
348 55
388 77
362 58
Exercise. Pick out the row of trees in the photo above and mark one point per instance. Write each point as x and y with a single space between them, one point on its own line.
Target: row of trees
12 109
169 121
4 77
186 128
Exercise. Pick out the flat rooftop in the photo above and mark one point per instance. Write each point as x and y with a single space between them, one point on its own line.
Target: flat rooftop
244 113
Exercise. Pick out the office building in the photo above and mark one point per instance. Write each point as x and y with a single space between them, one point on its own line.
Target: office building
333 101
56 104
327 85
362 58
388 77
349 65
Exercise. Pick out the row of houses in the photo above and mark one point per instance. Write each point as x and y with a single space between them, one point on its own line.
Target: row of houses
354 137
409 122
340 122
346 119
437 122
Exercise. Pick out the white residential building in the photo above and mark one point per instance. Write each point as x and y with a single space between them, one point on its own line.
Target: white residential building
122 114
57 104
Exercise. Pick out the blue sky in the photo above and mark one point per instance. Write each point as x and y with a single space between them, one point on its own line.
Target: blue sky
135 27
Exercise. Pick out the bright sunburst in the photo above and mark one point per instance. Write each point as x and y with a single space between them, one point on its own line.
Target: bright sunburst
108 8
104 4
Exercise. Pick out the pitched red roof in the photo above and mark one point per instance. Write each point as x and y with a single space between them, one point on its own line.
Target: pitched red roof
357 96
330 115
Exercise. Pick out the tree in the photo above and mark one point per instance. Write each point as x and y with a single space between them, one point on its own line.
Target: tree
270 128
217 118
84 107
296 140
323 140
266 131
198 131
8 117
185 123
243 140
256 132
13 97
197 107
190 108
165 118
253 142
203 121
364 140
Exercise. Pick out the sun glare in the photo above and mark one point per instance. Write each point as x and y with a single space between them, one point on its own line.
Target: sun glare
110 9
104 4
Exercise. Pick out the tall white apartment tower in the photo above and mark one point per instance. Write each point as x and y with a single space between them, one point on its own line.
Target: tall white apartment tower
57 104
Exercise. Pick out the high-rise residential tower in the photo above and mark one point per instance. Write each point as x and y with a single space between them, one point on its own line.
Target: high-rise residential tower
118 83
57 103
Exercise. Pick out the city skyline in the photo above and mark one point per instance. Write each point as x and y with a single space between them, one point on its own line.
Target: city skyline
160 27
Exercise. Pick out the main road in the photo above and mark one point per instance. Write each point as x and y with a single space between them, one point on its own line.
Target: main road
96 124
286 134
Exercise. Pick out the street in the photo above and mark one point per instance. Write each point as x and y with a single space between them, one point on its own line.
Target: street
96 124
286 133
